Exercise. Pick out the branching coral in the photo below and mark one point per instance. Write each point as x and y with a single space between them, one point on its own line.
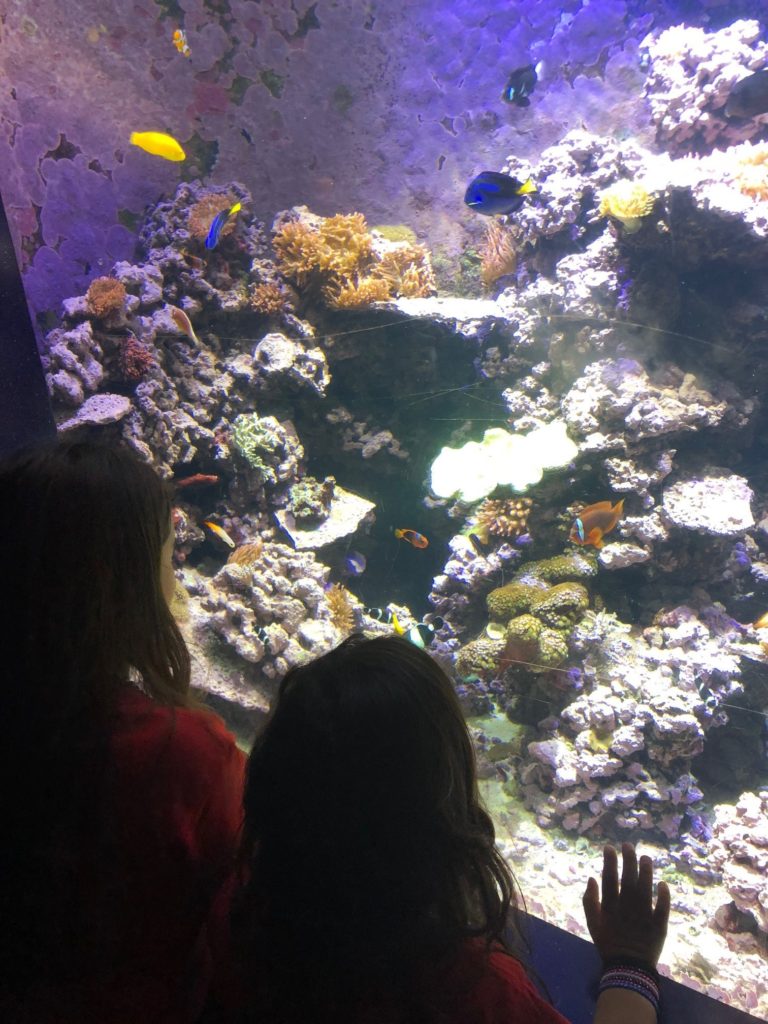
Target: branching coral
201 215
340 608
268 298
336 256
628 202
105 296
498 253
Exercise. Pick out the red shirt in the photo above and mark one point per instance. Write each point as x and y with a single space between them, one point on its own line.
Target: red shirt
174 801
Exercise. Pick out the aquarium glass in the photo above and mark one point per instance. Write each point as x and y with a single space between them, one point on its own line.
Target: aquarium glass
447 319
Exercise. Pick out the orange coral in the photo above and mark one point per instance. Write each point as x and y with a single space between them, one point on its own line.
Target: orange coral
752 171
201 215
340 608
356 294
247 554
106 295
498 254
268 298
407 271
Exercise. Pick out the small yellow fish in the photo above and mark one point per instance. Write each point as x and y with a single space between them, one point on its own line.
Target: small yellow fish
180 42
220 533
158 144
762 622
183 322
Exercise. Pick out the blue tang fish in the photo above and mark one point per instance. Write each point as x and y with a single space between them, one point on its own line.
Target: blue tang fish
492 192
218 224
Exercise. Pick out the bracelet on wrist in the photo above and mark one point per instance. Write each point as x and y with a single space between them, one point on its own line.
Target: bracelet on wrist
634 975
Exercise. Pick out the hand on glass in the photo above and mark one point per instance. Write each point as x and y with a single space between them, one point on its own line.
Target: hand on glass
623 921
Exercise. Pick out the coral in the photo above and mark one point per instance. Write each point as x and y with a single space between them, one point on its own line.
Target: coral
715 503
395 233
247 554
501 459
357 294
203 213
309 500
480 657
751 170
561 605
511 599
266 446
105 297
340 608
267 298
498 253
73 364
407 271
506 517
134 359
627 202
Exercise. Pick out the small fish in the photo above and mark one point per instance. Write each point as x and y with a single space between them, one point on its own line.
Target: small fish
749 97
594 522
355 563
762 622
380 614
220 533
521 84
158 144
247 136
196 480
263 636
493 192
180 42
218 224
183 322
416 540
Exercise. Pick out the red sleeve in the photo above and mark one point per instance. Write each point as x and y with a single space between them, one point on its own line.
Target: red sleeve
506 993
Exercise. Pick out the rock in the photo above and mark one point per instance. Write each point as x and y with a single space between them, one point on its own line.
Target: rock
97 411
347 513
620 555
717 505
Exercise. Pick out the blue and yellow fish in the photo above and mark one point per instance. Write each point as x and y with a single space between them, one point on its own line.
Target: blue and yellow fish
218 225
493 193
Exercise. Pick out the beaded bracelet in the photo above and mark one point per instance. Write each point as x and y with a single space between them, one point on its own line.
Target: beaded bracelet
640 977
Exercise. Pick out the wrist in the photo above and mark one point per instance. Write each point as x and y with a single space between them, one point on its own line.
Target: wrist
634 975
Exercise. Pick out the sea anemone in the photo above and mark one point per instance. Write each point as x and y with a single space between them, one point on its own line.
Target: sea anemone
407 271
247 554
628 202
268 298
498 254
357 294
340 607
105 296
505 517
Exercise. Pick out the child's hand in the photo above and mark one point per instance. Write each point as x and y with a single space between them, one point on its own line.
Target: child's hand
625 923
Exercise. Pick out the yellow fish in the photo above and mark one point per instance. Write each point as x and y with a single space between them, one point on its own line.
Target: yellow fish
220 533
158 144
180 42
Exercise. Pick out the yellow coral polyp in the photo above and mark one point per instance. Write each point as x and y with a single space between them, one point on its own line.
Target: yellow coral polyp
628 202
357 294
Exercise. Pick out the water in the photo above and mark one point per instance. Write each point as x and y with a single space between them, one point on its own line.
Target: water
615 692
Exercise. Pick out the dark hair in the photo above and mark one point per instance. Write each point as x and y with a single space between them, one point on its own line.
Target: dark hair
82 528
369 857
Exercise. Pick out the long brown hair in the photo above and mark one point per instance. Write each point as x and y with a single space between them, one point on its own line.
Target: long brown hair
82 527
369 856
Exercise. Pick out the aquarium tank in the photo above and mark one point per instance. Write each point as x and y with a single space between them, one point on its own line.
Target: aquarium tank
448 319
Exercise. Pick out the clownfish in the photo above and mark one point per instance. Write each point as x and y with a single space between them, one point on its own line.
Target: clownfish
416 540
180 42
220 533
421 634
594 521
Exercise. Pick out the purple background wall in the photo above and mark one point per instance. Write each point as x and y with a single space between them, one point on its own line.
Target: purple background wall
386 106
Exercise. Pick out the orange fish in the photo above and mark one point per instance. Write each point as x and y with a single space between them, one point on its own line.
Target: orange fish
594 521
183 322
220 533
762 622
180 42
417 540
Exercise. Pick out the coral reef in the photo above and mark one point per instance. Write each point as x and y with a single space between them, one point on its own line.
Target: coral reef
269 447
740 851
310 500
505 517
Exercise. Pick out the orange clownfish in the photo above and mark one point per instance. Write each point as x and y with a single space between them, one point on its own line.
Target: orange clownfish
180 42
594 521
416 540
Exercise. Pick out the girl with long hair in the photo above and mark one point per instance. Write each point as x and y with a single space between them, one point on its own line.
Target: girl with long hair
374 892
120 798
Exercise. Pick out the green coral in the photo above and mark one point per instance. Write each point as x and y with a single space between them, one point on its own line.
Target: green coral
309 500
561 606
479 657
524 628
256 437
512 599
570 565
540 645
396 233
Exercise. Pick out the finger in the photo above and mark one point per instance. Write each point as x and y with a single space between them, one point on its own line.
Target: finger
610 879
591 903
645 883
628 869
661 911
